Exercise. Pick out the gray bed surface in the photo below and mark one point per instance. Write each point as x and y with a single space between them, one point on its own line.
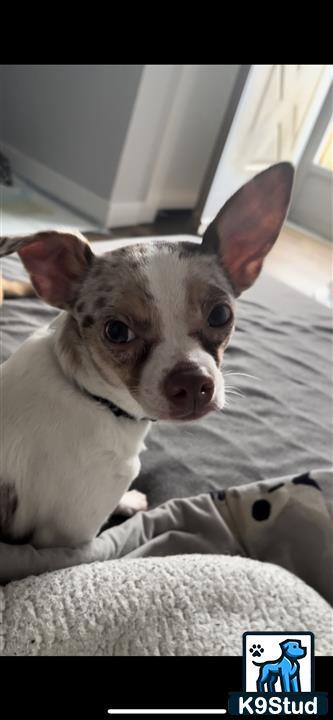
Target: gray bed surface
280 425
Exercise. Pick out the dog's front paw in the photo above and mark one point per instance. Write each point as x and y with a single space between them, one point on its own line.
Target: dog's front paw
131 503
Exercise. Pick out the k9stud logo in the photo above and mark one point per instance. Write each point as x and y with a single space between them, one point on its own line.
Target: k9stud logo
278 677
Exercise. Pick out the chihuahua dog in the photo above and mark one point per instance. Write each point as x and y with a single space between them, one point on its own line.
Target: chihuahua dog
141 338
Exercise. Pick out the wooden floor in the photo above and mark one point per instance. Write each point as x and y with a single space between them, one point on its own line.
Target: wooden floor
303 262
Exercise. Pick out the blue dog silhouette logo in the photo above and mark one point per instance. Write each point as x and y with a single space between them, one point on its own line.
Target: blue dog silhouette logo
278 676
278 662
286 667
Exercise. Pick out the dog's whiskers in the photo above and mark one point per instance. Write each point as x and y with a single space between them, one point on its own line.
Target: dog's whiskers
254 377
232 390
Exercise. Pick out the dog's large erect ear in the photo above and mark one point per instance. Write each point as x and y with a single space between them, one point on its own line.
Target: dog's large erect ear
246 228
56 263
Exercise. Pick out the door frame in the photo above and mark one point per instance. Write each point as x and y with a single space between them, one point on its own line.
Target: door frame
251 84
220 144
308 170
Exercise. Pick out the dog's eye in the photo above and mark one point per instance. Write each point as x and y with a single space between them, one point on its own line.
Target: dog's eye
117 332
219 316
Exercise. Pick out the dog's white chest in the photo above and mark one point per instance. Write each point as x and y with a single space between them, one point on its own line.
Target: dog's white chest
69 458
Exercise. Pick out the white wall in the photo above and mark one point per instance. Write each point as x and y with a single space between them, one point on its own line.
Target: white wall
64 126
115 142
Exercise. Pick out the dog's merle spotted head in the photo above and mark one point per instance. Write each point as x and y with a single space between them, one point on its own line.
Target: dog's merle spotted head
155 319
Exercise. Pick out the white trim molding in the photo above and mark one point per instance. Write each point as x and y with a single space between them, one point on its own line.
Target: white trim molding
129 201
129 213
173 129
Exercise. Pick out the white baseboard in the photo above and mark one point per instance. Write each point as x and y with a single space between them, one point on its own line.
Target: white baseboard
60 187
84 201
308 233
132 213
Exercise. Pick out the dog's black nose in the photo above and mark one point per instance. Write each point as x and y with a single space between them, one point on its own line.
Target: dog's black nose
189 389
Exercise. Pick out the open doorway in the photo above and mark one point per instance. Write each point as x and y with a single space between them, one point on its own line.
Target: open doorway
285 113
273 121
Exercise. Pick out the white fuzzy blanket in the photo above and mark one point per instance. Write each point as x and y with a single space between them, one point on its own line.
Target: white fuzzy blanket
181 605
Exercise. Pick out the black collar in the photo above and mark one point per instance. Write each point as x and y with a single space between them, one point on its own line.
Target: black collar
115 409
